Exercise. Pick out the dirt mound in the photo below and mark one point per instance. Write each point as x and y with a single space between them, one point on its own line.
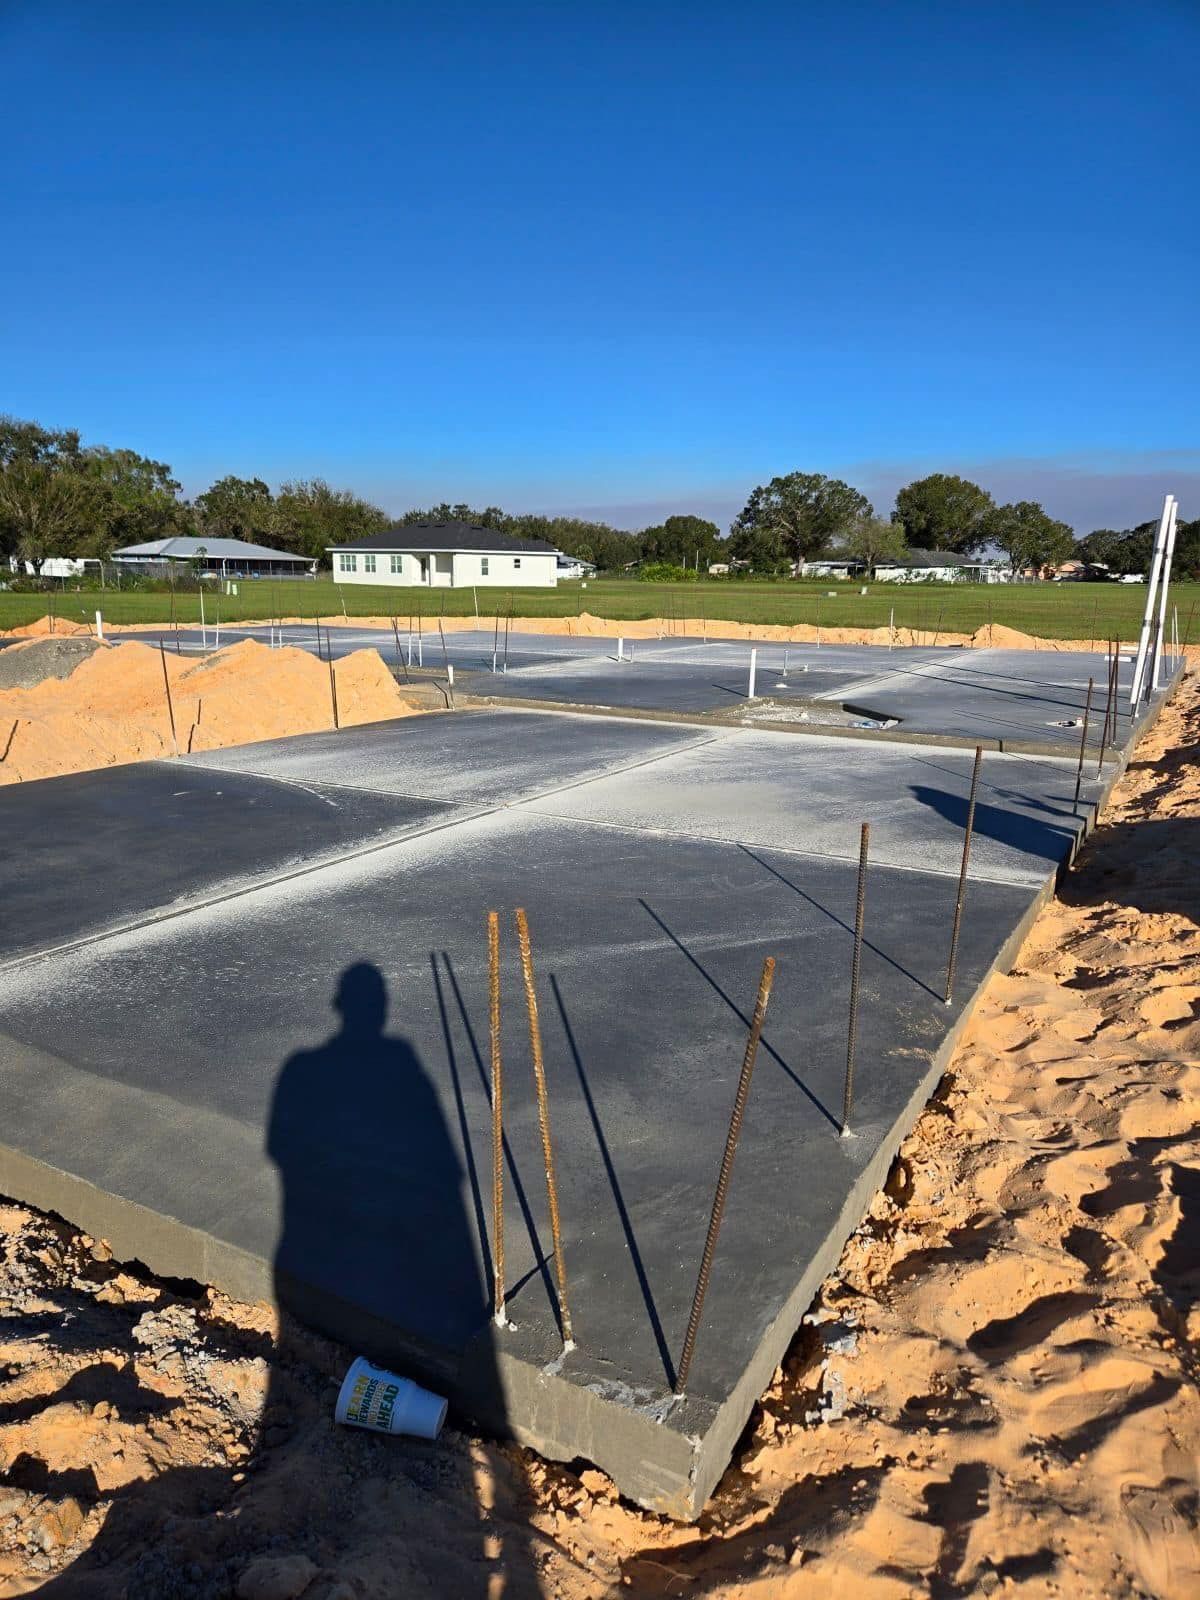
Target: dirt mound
34 660
995 636
44 626
113 708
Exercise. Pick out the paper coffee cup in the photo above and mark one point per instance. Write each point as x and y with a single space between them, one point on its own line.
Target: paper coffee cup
373 1398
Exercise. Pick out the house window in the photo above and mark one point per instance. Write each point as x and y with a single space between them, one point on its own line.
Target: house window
347 563
483 566
397 563
369 562
516 561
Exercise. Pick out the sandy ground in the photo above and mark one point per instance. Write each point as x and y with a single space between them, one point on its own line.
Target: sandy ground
995 1393
114 707
587 626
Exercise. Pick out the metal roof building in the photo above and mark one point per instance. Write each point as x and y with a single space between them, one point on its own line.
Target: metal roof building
226 558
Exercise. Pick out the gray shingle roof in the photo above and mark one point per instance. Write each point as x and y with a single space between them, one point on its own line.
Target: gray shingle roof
187 549
931 558
419 536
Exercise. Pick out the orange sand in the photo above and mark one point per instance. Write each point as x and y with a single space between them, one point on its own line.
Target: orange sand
587 626
113 707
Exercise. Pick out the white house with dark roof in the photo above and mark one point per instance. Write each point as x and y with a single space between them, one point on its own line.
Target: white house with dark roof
446 555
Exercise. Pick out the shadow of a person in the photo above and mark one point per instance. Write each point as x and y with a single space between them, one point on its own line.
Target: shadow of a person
376 1243
375 1248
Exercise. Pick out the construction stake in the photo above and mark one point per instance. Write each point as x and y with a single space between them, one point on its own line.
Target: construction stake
493 928
539 1076
731 1144
162 650
962 876
864 843
1087 709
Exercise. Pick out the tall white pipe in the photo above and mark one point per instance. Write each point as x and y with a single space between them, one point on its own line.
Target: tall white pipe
753 671
1164 582
99 626
1160 539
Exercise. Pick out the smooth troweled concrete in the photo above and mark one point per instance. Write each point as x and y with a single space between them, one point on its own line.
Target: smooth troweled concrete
213 1084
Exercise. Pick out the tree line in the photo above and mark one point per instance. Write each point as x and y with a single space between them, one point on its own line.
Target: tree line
61 498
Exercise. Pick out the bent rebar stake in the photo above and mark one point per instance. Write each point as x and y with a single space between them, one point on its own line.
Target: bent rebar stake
539 1077
864 844
1110 716
162 650
731 1144
1087 708
962 876
493 932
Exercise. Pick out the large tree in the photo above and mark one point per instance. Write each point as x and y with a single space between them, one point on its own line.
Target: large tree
1028 535
943 512
48 504
236 508
805 511
683 541
140 496
761 549
874 539
308 516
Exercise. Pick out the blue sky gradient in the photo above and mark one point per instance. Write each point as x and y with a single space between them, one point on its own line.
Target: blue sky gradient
620 259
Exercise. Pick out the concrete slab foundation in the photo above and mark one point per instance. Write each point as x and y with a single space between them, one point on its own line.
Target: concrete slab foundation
268 1068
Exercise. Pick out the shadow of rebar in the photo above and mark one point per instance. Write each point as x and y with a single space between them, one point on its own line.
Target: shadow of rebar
741 1015
635 1255
833 917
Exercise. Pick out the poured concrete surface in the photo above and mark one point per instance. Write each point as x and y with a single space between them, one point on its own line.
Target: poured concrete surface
183 1087
1009 699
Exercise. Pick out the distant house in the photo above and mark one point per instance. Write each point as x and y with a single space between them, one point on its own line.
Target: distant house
446 555
830 567
574 567
218 558
938 566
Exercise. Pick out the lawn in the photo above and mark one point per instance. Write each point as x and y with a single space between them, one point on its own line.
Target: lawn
1052 610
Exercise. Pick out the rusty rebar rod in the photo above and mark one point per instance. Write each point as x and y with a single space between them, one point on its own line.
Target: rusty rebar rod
332 681
864 845
719 1198
399 650
1109 717
539 1077
962 875
1087 710
493 930
162 650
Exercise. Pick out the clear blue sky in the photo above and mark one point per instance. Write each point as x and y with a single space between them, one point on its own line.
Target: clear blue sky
617 258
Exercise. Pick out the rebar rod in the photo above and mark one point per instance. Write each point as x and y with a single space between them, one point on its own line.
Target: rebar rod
1187 628
1087 710
864 845
1108 711
952 964
162 650
446 663
332 681
539 1076
719 1198
493 930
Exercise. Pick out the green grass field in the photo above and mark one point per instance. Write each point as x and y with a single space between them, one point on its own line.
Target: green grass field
1056 611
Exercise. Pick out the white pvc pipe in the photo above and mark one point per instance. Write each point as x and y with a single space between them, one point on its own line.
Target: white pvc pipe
99 626
620 649
1164 582
450 673
753 671
1139 665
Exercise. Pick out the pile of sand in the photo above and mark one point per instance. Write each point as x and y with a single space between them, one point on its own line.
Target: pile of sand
113 708
45 626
